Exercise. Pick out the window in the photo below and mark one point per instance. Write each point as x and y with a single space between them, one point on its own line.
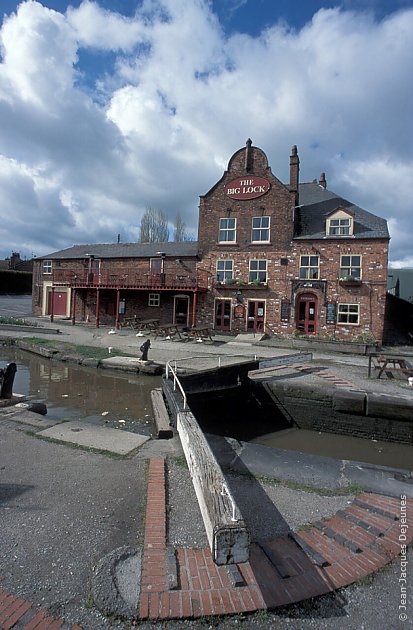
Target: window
258 271
350 267
227 231
154 299
340 227
47 266
340 222
224 270
348 314
260 230
309 267
155 266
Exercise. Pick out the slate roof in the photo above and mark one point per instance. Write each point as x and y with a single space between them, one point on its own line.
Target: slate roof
125 250
317 202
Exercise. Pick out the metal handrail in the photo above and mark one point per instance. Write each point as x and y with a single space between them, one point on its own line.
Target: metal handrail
173 370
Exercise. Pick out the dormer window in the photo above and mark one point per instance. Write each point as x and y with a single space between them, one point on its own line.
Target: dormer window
340 223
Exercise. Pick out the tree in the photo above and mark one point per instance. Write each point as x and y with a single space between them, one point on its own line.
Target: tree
154 227
179 230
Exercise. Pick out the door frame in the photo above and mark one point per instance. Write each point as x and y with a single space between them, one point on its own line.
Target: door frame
306 298
182 296
216 302
257 329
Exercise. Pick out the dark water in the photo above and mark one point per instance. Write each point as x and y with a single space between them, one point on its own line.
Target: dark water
73 392
252 417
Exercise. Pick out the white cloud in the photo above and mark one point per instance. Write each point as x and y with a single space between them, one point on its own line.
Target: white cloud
159 127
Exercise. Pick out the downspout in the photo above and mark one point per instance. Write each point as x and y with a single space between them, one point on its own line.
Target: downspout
117 308
97 307
52 306
73 307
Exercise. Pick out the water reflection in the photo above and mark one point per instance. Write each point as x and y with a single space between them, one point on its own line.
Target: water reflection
76 392
252 417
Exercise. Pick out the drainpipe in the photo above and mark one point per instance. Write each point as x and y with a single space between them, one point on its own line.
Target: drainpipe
194 309
117 308
73 306
97 307
52 306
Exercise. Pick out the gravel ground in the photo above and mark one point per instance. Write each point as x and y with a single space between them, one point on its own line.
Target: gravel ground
256 500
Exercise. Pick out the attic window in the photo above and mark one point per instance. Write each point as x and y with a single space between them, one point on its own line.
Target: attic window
340 224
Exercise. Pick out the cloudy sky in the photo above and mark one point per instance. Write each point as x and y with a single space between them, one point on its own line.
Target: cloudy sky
108 107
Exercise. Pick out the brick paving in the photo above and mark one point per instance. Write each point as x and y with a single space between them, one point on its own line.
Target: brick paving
330 554
186 583
19 614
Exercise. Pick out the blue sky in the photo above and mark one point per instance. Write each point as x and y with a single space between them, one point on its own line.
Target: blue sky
110 107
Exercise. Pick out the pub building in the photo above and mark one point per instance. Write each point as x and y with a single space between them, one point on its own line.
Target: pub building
271 258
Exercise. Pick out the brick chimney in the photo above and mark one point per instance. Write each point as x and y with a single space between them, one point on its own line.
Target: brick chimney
294 172
248 160
323 181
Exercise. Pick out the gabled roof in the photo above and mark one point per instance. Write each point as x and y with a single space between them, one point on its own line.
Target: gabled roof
125 250
316 203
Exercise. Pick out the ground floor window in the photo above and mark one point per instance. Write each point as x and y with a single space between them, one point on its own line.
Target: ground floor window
348 314
154 299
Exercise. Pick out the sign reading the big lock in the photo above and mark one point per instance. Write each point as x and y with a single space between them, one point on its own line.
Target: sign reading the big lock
247 187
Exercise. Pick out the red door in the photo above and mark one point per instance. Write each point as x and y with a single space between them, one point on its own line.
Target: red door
223 315
59 303
306 318
256 316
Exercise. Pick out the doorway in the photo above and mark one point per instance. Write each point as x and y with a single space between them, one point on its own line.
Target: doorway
256 316
181 310
223 315
59 303
306 315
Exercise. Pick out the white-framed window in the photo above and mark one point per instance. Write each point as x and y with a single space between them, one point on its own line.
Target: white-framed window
227 230
154 299
258 271
348 314
224 270
340 223
260 232
47 266
309 267
350 266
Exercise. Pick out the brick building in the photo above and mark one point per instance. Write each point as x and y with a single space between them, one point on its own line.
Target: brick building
271 258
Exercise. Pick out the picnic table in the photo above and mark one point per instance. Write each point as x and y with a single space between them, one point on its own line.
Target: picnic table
148 324
168 330
388 363
132 322
199 333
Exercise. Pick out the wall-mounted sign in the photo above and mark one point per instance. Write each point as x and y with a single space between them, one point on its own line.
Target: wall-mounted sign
331 313
285 311
239 311
247 187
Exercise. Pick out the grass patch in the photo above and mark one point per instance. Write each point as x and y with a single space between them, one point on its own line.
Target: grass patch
16 321
351 488
88 449
87 352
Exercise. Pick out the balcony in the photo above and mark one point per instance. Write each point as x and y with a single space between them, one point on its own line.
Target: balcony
130 279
